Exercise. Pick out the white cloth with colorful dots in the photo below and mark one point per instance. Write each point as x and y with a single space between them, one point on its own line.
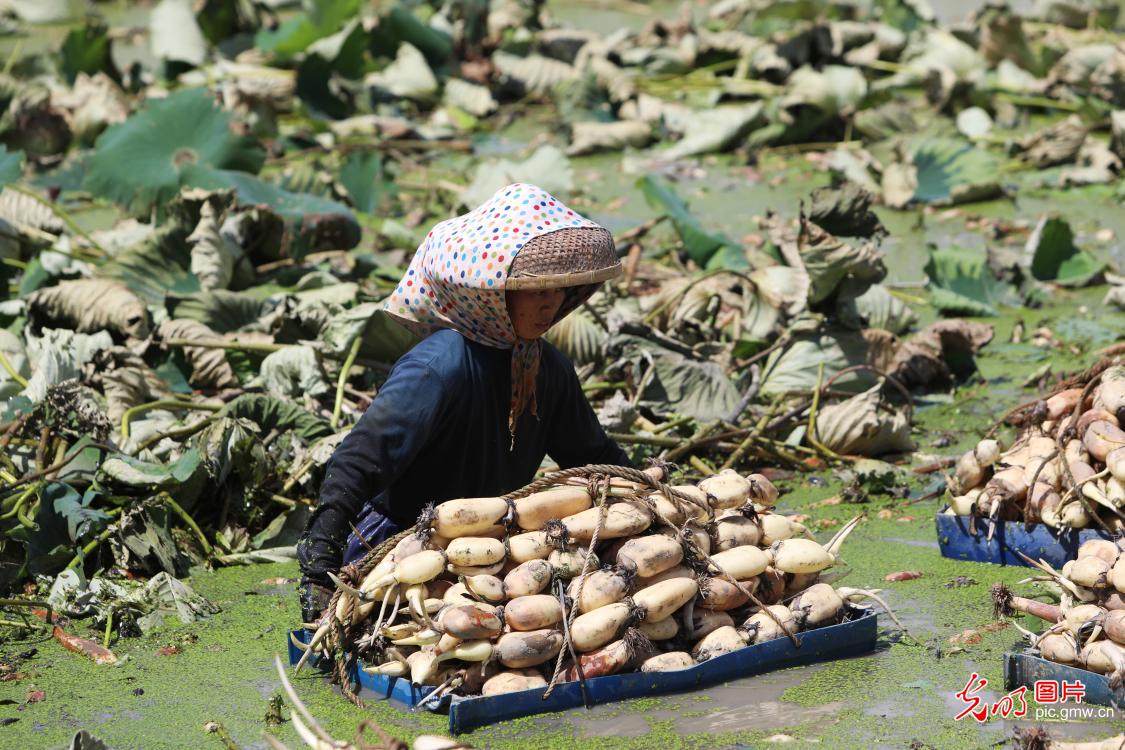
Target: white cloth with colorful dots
456 278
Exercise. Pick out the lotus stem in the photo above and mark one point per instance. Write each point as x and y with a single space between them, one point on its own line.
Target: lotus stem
672 424
287 502
131 412
25 519
1036 101
257 346
12 372
25 603
275 743
217 728
41 448
747 442
20 501
591 387
175 507
61 447
179 433
63 216
90 547
242 346
701 437
702 466
811 430
353 352
297 475
884 65
26 624
657 440
17 53
78 448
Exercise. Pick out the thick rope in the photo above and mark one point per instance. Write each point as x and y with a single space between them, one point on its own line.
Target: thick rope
338 635
570 645
603 506
341 665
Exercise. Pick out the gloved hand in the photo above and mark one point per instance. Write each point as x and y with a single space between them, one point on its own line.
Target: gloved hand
314 598
315 556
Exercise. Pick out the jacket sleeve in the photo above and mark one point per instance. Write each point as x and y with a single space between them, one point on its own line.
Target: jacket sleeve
395 427
576 437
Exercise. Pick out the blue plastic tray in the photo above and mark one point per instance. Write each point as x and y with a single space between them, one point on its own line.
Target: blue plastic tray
1024 670
834 642
1056 546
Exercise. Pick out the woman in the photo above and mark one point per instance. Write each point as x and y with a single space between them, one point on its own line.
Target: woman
471 410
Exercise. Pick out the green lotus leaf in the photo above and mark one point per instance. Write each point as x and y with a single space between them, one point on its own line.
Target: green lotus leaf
952 171
274 414
367 181
699 243
1054 256
317 223
141 162
293 36
11 165
797 366
399 25
88 49
962 284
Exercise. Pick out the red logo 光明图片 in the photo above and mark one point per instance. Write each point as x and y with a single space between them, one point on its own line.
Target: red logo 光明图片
1014 704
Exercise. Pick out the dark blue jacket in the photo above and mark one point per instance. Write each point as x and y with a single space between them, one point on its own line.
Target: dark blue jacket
438 429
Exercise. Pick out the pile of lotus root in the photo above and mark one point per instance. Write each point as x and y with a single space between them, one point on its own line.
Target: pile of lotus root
580 575
1087 627
1066 467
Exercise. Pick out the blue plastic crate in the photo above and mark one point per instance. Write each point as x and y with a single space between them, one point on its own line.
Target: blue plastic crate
1023 670
1038 542
852 638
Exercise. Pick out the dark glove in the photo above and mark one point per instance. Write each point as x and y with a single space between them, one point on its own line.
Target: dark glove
321 546
314 598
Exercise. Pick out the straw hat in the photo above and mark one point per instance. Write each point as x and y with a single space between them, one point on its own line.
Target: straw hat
571 257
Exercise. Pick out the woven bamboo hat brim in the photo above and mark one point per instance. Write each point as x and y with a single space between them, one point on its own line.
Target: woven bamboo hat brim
575 256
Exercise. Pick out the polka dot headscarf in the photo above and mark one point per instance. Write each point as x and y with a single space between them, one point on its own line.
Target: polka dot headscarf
456 278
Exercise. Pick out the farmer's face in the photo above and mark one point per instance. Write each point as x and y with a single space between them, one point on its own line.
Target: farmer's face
533 310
